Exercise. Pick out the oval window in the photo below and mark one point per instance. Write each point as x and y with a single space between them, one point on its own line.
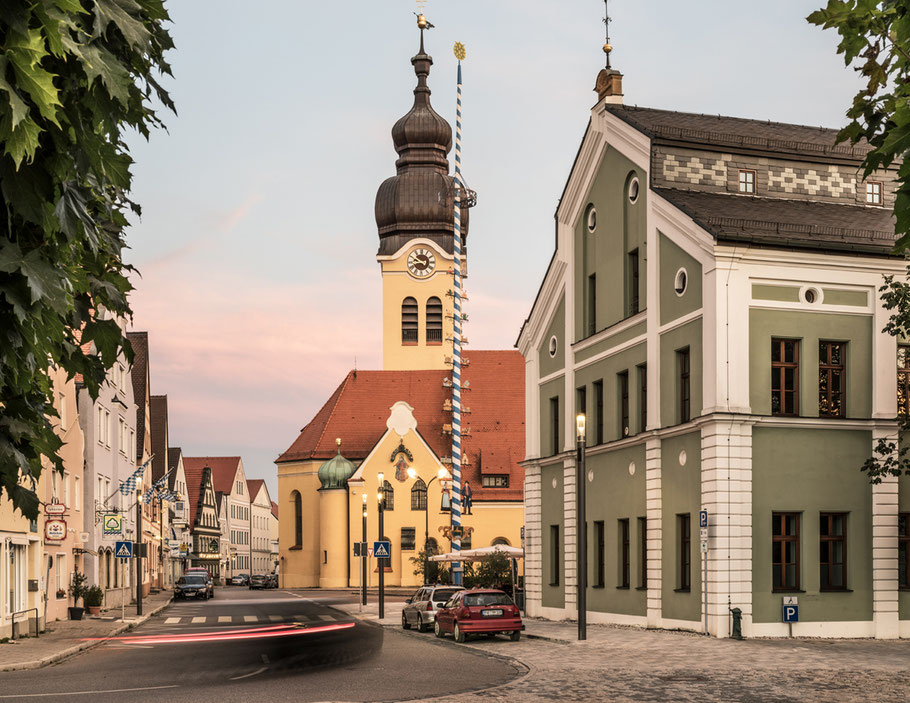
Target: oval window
592 219
633 189
554 346
682 280
810 295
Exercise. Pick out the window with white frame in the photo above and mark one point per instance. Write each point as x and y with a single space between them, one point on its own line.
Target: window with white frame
60 571
77 493
132 443
61 410
55 483
106 426
100 423
873 193
66 489
121 378
121 435
746 181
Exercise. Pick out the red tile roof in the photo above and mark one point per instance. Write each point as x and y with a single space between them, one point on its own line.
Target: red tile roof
253 485
224 469
194 490
140 376
274 508
159 434
358 409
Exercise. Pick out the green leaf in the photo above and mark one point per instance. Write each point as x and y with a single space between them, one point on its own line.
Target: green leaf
43 280
16 103
25 53
20 143
100 63
123 13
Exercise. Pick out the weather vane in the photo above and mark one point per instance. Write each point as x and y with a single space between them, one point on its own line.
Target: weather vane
422 21
606 20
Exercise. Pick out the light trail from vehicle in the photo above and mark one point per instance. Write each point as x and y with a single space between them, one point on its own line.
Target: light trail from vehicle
257 633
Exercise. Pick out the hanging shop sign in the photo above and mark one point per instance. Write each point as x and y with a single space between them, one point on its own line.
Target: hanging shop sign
55 530
54 509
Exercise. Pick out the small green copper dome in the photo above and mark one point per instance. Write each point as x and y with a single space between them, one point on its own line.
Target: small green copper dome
336 471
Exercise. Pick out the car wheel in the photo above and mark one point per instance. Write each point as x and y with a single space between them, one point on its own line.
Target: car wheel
438 631
459 635
405 625
515 636
421 627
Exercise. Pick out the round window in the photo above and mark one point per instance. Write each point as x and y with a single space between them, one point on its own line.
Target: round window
810 295
554 346
633 189
592 219
681 281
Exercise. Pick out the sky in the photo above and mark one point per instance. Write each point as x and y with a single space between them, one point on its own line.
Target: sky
259 286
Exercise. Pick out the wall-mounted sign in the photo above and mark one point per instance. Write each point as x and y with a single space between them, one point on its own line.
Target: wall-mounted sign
54 509
112 524
180 511
55 530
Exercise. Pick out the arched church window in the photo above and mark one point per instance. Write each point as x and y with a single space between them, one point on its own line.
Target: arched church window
388 496
298 519
432 546
409 315
419 495
501 540
434 321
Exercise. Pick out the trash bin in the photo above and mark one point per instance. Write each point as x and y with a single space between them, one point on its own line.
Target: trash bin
737 632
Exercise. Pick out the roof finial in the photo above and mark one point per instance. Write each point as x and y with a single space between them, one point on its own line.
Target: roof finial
606 20
422 22
338 444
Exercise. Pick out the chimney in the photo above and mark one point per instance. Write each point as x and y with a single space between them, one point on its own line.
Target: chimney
609 86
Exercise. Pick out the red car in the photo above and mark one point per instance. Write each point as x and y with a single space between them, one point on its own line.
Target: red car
479 611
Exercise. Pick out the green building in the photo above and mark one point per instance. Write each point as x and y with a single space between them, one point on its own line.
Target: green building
711 308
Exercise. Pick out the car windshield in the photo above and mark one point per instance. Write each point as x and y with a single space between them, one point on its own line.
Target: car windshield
441 595
191 580
484 599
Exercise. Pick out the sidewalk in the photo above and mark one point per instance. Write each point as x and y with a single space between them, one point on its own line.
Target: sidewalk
63 638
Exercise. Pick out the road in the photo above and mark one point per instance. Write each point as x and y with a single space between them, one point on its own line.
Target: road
270 645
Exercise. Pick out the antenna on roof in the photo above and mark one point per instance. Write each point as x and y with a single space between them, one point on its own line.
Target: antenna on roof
355 367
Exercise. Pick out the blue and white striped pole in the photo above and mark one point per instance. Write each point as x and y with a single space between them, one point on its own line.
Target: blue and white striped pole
456 337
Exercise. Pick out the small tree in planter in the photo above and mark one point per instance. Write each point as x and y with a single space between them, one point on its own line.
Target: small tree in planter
77 590
93 597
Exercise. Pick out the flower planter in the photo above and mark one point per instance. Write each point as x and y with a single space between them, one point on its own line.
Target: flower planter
76 613
94 609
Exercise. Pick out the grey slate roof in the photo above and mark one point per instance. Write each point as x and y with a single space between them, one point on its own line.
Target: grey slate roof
140 378
737 132
159 435
787 223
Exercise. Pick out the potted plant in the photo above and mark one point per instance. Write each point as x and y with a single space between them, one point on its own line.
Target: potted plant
77 591
92 598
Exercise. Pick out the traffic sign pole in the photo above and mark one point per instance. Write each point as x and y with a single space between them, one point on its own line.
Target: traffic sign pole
138 552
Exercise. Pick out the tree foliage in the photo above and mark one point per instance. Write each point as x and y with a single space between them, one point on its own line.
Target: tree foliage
436 570
74 76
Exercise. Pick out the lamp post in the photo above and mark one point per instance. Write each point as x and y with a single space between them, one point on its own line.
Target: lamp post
363 556
380 561
442 473
139 552
581 528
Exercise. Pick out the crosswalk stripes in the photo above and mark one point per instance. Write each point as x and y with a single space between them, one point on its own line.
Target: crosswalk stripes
326 617
251 619
224 618
199 619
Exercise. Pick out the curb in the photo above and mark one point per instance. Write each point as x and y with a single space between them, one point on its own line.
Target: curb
59 656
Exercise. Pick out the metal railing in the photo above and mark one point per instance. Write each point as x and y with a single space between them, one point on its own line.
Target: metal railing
20 612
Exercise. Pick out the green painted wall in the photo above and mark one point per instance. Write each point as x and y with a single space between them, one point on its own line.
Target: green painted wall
903 597
551 513
557 327
672 258
680 490
607 369
845 297
810 327
785 294
688 335
556 387
621 228
636 330
614 494
809 471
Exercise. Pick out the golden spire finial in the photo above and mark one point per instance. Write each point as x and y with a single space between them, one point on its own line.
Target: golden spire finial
421 18
459 51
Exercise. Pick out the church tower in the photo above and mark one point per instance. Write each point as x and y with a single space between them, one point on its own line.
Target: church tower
415 219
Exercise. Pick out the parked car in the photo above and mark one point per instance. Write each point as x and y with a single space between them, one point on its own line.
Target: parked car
240 580
259 581
479 611
273 579
421 608
194 585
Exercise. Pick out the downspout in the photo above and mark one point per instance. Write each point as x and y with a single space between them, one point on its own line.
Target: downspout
347 557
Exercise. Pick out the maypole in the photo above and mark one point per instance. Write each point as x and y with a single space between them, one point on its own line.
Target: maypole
456 335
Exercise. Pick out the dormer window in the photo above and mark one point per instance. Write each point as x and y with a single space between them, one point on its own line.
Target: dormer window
746 181
873 193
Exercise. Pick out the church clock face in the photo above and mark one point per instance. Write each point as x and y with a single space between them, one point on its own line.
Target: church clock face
421 263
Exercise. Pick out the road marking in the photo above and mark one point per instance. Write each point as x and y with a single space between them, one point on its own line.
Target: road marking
296 595
171 621
224 618
199 619
250 618
276 618
130 646
252 673
87 693
326 617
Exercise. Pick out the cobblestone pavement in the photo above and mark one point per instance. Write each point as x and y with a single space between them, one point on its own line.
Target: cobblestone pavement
64 637
618 664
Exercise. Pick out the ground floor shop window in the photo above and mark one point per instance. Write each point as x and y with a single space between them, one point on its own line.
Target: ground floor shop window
785 551
624 553
554 555
642 552
832 553
684 580
599 558
903 550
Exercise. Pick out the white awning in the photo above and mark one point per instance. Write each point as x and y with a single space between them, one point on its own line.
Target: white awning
480 553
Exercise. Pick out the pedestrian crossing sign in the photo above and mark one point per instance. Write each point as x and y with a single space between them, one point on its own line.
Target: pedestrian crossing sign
123 550
382 550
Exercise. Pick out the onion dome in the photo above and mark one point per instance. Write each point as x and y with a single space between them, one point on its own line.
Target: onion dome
420 200
336 471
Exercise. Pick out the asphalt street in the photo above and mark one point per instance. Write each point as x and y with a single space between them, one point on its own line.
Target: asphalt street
276 644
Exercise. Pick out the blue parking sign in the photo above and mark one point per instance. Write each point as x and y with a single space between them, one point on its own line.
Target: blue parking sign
791 613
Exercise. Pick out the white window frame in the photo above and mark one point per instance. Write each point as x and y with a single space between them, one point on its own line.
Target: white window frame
875 192
747 181
77 493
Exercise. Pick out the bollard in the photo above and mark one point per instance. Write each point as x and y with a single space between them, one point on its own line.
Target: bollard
737 633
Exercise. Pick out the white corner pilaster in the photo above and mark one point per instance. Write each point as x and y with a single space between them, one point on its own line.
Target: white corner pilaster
570 541
885 510
655 531
533 555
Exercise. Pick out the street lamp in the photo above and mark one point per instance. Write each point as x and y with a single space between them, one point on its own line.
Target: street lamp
381 562
441 474
581 528
363 556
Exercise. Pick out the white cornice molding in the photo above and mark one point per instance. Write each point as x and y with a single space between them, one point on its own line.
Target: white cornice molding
551 290
680 321
670 220
610 331
411 243
582 174
841 261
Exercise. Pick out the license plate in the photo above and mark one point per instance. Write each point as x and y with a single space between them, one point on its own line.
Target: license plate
494 613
